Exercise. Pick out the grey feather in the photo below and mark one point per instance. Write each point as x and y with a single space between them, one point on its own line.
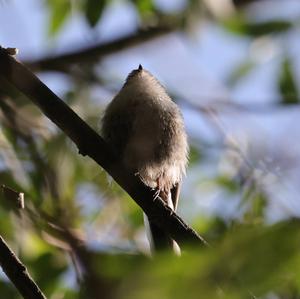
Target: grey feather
146 129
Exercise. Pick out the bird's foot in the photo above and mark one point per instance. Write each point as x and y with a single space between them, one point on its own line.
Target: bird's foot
156 194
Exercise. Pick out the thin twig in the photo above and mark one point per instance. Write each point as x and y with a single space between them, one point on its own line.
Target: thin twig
64 61
18 274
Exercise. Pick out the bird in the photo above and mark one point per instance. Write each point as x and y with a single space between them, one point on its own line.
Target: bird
146 131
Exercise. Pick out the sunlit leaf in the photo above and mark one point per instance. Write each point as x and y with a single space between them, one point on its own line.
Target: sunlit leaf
134 213
59 11
145 7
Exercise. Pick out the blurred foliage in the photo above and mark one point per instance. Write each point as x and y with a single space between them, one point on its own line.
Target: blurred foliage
240 71
241 26
144 7
287 83
81 236
59 11
93 10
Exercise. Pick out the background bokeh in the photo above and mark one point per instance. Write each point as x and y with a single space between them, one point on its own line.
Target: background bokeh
233 67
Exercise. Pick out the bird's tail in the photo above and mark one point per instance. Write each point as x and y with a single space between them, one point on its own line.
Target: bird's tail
158 239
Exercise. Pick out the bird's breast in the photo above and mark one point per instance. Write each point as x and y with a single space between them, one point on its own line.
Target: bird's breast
157 146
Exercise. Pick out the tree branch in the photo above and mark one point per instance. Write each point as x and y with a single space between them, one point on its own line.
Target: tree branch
18 273
64 61
91 144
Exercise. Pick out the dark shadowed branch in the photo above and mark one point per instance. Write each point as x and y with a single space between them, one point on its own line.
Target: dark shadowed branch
64 61
18 274
91 144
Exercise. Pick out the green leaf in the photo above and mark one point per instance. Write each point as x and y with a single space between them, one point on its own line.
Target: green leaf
256 260
239 72
59 11
240 26
228 183
144 7
55 268
258 205
287 84
194 156
261 258
93 10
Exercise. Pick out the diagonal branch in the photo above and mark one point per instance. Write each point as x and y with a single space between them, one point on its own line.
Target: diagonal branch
64 61
91 144
18 274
